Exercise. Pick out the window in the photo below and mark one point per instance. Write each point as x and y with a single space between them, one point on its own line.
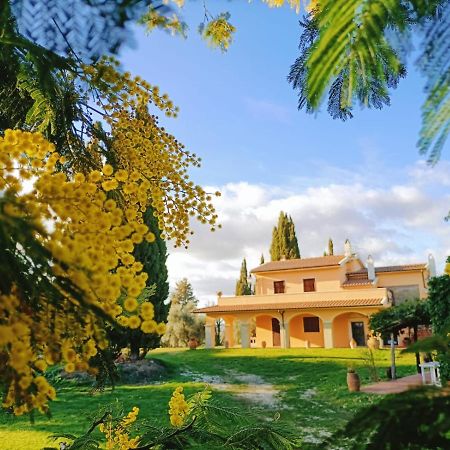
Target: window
311 324
278 287
309 284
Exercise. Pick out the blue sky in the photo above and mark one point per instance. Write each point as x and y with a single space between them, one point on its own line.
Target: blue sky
240 115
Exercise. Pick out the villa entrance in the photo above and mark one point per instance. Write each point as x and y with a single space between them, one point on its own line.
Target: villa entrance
276 338
358 333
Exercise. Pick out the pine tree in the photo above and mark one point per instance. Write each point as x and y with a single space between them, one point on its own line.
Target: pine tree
330 247
153 257
182 323
242 285
284 240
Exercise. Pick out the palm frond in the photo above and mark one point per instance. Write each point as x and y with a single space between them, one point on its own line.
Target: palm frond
343 49
434 63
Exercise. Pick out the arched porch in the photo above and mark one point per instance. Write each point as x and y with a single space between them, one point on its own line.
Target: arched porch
350 325
306 330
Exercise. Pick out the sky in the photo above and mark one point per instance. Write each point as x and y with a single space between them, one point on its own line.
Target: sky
362 179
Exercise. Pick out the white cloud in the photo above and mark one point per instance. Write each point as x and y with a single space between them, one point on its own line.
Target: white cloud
398 223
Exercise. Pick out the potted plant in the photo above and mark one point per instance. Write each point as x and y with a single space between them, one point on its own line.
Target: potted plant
193 343
353 381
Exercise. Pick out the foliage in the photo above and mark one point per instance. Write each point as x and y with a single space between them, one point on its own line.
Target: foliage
439 309
182 323
195 422
410 420
369 361
356 50
261 261
153 258
409 314
72 206
284 241
218 32
243 286
91 29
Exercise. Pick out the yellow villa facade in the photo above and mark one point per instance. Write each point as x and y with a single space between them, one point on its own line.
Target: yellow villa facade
315 302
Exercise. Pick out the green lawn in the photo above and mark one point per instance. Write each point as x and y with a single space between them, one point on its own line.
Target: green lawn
306 386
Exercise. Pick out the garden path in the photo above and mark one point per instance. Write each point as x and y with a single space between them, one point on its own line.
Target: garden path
394 386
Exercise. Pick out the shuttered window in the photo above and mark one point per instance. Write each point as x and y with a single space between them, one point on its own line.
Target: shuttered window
309 284
278 287
311 324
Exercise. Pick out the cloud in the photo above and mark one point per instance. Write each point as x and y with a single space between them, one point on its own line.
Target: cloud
397 223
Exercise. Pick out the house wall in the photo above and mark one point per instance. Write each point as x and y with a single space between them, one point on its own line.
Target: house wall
413 278
264 331
327 280
299 338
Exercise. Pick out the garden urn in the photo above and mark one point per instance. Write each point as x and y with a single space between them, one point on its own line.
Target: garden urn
193 343
353 381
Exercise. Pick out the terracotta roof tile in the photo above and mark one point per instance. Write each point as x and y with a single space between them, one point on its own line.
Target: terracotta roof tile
303 263
399 268
292 305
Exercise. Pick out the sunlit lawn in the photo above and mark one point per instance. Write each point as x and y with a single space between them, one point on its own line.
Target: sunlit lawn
312 389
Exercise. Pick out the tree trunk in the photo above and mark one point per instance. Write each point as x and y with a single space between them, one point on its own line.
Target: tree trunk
393 374
134 347
416 338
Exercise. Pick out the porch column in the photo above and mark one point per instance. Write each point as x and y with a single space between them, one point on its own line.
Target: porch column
328 333
284 332
209 335
245 335
229 336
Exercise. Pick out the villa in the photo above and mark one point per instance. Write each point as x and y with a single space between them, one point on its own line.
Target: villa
315 302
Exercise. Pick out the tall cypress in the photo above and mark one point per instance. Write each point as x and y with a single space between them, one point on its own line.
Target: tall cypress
284 240
330 247
242 285
261 261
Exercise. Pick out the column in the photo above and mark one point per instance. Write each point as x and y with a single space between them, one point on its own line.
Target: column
245 335
284 334
328 333
229 337
209 335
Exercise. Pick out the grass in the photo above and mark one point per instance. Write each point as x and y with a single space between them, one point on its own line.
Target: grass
313 395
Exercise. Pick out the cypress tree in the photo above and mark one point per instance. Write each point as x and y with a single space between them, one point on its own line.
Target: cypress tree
284 240
242 285
261 261
292 243
274 247
330 247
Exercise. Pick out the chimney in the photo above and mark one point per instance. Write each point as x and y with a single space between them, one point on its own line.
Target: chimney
370 268
431 265
348 249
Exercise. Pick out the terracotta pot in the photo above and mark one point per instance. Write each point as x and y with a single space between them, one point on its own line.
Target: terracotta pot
353 382
373 343
193 343
263 344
